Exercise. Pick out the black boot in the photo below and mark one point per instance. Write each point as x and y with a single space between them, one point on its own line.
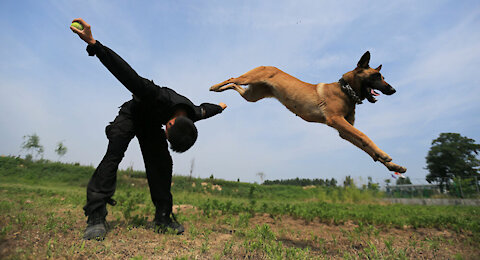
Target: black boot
163 223
96 225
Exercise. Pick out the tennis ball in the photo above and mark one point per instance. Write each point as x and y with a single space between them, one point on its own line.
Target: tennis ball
77 25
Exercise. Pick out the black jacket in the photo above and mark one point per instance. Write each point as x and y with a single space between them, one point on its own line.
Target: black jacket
150 102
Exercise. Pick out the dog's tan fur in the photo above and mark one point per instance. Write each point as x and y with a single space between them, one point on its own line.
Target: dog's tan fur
323 103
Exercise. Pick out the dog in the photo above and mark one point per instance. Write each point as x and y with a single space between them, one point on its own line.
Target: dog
332 104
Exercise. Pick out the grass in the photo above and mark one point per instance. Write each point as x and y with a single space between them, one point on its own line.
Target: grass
41 217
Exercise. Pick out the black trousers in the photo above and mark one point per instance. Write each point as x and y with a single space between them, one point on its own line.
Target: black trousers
157 159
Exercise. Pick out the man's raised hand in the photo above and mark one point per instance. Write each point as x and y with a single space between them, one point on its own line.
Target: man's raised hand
223 105
86 33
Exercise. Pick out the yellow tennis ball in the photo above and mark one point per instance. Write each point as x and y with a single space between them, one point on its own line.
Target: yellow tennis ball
77 25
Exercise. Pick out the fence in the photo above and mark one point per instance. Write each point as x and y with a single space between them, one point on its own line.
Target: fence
459 187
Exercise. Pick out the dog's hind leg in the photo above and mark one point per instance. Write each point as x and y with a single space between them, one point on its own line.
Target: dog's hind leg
253 93
222 86
257 91
230 86
231 83
255 76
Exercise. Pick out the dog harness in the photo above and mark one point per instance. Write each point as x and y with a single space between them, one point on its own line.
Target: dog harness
347 89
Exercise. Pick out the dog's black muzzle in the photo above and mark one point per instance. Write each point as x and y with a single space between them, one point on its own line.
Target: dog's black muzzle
388 90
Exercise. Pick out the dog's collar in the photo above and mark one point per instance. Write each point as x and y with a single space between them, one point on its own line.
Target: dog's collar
347 89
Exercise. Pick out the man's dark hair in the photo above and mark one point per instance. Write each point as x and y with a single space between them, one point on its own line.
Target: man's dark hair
182 134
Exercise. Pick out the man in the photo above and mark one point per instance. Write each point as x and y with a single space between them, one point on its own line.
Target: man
143 116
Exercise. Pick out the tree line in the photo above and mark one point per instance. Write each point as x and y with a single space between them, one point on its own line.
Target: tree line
303 182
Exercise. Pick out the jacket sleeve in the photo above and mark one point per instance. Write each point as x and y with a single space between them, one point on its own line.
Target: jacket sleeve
208 110
140 87
194 112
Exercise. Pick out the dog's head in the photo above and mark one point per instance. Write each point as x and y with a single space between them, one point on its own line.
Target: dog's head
370 80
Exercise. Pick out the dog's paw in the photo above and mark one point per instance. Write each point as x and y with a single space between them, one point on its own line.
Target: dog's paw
395 167
401 169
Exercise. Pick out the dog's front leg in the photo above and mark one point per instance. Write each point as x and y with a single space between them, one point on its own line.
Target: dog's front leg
359 144
356 137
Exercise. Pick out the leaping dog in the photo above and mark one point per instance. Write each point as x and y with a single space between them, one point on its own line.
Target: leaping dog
327 103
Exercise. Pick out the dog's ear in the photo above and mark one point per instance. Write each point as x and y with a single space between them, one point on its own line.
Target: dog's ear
379 68
364 60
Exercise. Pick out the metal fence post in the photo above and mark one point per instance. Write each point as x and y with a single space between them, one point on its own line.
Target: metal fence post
460 185
476 184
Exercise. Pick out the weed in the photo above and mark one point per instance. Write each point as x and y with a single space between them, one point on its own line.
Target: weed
433 243
334 240
243 220
50 247
371 251
129 204
51 221
4 230
204 248
227 248
389 245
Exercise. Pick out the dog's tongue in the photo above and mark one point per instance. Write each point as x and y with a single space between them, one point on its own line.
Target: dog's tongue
373 92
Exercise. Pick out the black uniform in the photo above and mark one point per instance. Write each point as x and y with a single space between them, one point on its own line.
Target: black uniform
143 116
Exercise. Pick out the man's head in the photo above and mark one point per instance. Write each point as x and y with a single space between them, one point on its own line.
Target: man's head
181 133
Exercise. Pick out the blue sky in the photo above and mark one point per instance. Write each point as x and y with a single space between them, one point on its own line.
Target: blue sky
429 50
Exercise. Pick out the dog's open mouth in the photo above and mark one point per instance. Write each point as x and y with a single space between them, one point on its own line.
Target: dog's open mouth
371 95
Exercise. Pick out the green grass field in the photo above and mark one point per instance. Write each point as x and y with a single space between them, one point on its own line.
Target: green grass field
41 217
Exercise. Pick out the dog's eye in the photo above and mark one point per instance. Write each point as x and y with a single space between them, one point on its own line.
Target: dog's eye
376 76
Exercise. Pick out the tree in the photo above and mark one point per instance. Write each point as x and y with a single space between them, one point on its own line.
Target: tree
61 149
387 182
450 156
348 182
333 183
403 181
372 185
31 144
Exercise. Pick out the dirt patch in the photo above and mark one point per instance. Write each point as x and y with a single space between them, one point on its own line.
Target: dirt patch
336 240
59 235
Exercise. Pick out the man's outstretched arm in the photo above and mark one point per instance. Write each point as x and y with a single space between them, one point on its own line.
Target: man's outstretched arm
140 87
